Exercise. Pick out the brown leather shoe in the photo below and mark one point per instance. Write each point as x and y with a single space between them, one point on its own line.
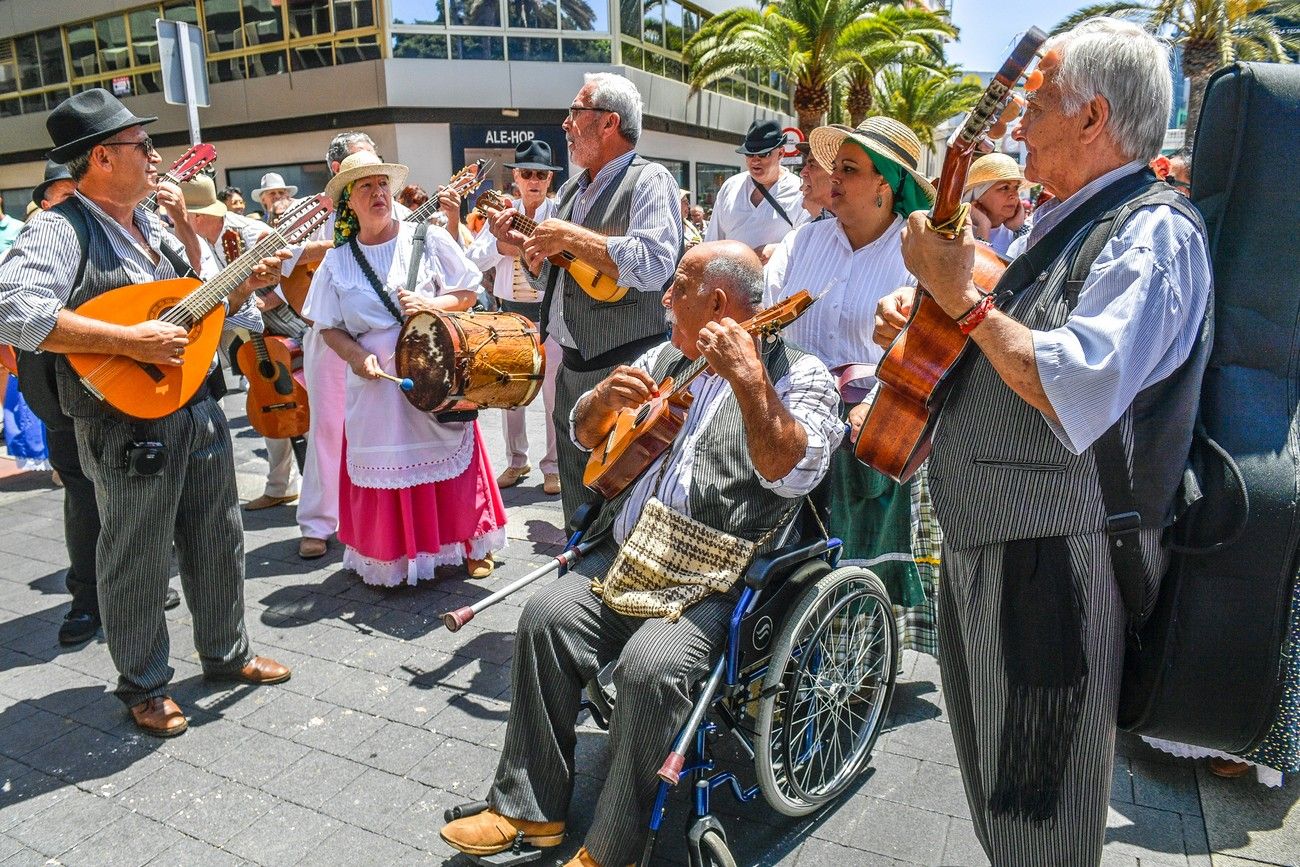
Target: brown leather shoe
582 859
311 549
511 476
1227 768
551 484
479 569
266 501
258 671
489 832
159 716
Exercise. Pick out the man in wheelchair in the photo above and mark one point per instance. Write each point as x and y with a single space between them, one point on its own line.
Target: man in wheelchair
758 437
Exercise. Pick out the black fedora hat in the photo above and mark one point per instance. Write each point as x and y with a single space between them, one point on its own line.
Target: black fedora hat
53 172
535 154
85 119
763 136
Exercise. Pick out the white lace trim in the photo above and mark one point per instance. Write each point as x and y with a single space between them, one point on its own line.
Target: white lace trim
1267 776
32 465
417 472
392 573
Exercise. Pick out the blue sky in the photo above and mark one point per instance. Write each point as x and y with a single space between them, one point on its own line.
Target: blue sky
988 27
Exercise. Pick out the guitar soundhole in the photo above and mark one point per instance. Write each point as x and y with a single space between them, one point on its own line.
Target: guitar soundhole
164 306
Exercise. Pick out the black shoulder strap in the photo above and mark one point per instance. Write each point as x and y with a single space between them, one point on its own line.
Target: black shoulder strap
179 263
771 200
70 209
417 254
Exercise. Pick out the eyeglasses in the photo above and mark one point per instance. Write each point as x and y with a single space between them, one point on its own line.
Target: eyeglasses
529 174
764 155
574 109
1177 184
145 145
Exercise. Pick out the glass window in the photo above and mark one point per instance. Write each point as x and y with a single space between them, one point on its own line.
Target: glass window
221 18
349 14
476 13
306 17
110 34
144 36
673 69
433 45
16 198
583 15
81 46
40 59
531 13
679 169
586 50
309 178
231 69
673 25
708 178
181 10
629 15
653 28
418 11
356 50
267 63
8 69
262 22
11 107
633 55
478 47
311 57
529 48
690 24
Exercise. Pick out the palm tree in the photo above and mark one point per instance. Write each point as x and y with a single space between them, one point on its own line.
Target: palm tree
1212 33
815 42
893 34
923 98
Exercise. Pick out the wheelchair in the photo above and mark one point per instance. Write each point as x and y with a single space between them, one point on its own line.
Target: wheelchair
804 684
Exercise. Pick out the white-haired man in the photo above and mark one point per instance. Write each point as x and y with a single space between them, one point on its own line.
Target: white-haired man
620 215
1091 353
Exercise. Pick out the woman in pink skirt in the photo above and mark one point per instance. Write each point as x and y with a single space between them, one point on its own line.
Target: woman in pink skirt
414 494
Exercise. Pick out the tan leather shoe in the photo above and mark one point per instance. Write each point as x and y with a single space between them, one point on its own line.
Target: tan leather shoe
266 501
551 483
489 832
312 549
159 716
582 858
480 568
511 476
1227 768
258 671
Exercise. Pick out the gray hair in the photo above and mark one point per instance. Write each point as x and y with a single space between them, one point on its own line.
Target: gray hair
1130 68
742 282
78 166
345 143
615 93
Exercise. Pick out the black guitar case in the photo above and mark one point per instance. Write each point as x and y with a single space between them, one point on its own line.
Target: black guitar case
1206 669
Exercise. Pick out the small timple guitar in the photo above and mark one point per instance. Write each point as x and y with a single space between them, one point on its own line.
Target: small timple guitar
147 391
277 404
193 161
593 281
464 182
641 435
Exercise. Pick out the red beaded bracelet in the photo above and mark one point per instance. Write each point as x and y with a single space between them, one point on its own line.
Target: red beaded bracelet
977 314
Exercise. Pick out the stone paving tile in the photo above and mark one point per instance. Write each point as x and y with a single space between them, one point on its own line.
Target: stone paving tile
284 834
260 759
131 840
315 778
457 767
373 800
23 797
397 748
66 823
219 814
961 848
343 845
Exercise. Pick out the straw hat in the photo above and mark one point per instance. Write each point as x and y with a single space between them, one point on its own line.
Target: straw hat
364 164
201 197
992 169
883 136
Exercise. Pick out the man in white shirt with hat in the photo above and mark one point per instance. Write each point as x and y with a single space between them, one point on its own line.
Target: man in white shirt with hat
760 205
273 189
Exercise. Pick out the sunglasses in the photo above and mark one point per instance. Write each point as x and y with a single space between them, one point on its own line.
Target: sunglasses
530 174
764 155
145 145
1177 184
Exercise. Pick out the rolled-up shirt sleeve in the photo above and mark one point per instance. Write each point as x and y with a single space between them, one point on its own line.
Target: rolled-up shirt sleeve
647 255
1138 316
36 278
808 392
646 362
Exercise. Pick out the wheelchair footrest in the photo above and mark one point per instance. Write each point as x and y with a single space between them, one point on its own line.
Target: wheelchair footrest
519 853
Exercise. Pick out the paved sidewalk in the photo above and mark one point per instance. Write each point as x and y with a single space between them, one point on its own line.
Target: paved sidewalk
389 719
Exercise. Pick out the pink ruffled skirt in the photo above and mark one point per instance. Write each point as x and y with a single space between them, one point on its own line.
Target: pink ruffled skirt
400 536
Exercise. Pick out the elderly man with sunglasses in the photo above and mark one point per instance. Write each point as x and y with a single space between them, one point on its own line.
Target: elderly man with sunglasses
761 204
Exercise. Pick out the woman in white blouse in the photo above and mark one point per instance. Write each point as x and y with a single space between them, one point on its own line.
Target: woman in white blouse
415 494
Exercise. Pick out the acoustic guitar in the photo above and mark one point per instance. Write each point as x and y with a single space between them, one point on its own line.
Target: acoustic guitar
639 436
593 281
914 373
277 405
147 391
464 182
193 161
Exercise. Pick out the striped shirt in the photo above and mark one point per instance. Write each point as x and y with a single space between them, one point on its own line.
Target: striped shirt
485 254
647 255
1137 319
36 276
847 283
807 391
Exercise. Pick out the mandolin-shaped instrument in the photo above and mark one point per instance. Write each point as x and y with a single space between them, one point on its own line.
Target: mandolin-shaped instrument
914 373
593 281
639 436
277 405
193 161
146 391
464 182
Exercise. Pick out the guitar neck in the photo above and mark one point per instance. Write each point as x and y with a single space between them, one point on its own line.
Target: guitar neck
424 212
205 298
152 202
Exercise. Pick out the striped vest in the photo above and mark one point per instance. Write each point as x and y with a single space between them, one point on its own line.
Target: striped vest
597 326
998 473
725 490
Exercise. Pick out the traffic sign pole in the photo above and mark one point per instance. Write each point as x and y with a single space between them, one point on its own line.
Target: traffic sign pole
191 101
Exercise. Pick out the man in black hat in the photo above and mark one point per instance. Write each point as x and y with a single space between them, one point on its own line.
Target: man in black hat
761 204
533 170
57 186
161 484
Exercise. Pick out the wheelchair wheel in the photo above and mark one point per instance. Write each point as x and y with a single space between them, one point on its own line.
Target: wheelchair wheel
714 851
827 690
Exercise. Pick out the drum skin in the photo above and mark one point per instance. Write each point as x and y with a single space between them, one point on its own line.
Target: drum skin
470 360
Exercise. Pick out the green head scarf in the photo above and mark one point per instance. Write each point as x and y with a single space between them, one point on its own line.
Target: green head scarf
346 222
908 194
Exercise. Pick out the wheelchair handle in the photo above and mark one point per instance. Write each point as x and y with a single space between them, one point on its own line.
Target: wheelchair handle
454 620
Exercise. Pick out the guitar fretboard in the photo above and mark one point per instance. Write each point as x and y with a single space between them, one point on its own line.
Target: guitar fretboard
205 298
152 202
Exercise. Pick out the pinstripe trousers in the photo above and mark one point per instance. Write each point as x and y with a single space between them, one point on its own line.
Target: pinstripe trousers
566 634
191 504
975 690
569 386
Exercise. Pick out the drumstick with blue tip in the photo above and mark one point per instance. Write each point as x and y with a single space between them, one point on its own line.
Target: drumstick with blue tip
403 384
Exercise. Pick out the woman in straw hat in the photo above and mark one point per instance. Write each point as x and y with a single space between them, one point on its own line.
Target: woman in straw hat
415 494
851 262
993 188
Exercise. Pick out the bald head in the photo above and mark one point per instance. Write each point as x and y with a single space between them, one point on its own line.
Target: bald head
714 280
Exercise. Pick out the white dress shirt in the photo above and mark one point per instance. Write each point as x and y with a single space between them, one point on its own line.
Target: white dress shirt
737 218
484 253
